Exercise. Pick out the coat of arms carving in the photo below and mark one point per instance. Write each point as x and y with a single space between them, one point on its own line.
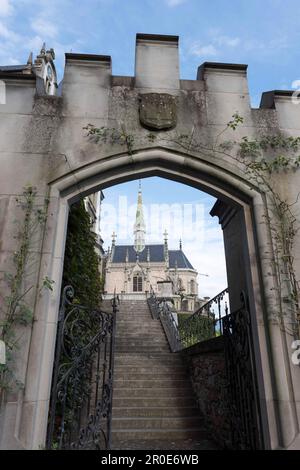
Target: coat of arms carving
158 111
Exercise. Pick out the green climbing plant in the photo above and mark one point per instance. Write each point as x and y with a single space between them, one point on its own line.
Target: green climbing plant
112 136
17 311
81 264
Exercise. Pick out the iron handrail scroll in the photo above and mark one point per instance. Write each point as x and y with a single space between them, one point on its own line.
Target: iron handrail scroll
82 382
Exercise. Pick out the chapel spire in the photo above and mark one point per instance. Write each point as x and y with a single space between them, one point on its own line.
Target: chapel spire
139 226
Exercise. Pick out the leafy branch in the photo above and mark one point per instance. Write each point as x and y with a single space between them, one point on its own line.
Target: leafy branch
111 135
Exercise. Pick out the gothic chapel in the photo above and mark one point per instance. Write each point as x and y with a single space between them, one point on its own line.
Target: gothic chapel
132 270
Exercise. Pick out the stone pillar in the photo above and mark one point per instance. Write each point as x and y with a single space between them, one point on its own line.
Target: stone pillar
232 222
157 63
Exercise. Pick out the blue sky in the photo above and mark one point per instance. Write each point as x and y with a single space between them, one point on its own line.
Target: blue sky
263 34
182 211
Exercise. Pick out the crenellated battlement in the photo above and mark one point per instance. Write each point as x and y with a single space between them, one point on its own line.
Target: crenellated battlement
88 84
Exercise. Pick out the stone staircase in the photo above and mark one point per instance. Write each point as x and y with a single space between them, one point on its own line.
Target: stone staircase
153 402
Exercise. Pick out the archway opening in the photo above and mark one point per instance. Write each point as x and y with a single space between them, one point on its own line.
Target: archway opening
128 272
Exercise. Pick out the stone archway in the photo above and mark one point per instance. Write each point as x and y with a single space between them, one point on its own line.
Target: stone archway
156 164
39 370
43 143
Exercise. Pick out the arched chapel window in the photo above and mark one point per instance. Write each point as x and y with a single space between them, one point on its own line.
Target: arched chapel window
137 283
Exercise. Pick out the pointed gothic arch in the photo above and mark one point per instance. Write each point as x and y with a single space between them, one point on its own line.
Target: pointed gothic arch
154 162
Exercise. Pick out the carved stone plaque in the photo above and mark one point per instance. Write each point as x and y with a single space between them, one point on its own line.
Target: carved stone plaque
158 111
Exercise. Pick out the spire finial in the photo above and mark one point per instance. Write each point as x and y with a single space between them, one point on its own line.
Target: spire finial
43 50
180 244
113 237
139 226
166 249
30 59
140 185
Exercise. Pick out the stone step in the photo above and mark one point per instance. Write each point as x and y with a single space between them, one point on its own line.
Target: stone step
141 337
133 327
144 372
139 322
146 367
140 340
137 318
205 443
149 375
134 307
141 348
157 434
139 331
133 314
179 422
160 383
145 402
155 356
152 411
143 303
147 360
149 345
138 325
153 392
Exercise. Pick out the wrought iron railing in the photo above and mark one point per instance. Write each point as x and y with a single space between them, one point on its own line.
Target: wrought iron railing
160 309
153 304
206 322
82 383
243 402
170 326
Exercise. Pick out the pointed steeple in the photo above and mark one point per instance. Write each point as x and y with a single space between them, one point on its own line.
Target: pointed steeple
166 248
139 226
113 239
30 59
43 50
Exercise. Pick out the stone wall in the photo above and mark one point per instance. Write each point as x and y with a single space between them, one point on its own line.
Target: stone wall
206 362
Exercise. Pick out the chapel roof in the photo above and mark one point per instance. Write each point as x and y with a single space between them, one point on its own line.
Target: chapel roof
156 255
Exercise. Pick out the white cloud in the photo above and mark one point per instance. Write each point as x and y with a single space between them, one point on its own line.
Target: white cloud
227 41
218 42
44 28
174 3
7 34
209 260
203 50
6 8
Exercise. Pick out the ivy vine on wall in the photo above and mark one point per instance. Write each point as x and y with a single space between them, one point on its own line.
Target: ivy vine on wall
81 264
17 311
